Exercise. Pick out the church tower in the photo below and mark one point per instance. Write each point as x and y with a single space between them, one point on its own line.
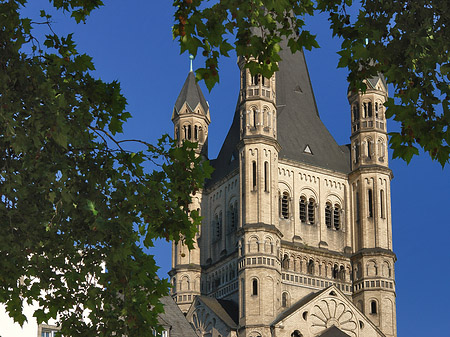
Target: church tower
296 234
259 267
373 258
191 119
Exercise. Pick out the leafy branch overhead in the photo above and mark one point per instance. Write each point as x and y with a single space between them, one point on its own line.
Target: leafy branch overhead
408 41
77 205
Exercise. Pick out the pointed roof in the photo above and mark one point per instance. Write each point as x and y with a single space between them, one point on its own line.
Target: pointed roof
191 94
175 319
333 332
226 310
299 124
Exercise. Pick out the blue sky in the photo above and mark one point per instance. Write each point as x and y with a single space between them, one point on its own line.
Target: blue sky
131 41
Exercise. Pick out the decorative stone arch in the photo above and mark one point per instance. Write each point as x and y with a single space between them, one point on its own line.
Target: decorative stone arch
371 268
286 261
367 108
185 283
253 244
284 201
265 115
269 245
255 333
386 269
285 299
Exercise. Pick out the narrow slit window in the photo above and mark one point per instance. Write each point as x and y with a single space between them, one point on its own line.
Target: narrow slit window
254 175
284 300
357 206
189 132
356 152
382 204
370 109
255 287
254 117
373 307
266 176
195 132
370 203
369 149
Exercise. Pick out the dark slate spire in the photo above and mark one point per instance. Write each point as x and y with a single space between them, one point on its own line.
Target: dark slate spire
191 94
302 135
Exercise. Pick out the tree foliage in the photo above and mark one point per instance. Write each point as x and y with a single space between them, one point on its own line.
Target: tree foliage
406 40
77 207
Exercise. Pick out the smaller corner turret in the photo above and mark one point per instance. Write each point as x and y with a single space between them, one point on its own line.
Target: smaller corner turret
191 115
257 103
369 135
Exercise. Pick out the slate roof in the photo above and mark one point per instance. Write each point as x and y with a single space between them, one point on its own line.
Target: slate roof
228 311
374 80
298 125
333 332
175 319
192 94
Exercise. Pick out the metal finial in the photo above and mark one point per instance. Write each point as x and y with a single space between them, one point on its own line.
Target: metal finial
191 57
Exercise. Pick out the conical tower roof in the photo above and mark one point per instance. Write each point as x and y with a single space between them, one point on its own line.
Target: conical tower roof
191 94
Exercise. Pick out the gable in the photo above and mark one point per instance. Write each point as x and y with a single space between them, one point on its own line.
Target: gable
327 313
208 315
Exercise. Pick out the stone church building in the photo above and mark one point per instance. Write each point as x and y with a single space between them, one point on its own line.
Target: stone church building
296 237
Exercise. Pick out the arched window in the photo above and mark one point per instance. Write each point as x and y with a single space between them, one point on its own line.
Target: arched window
285 262
376 109
218 221
337 217
311 211
255 115
195 132
255 80
285 205
355 113
342 273
189 128
382 204
370 109
335 271
302 209
254 287
296 333
311 267
365 109
328 209
373 307
284 300
369 149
